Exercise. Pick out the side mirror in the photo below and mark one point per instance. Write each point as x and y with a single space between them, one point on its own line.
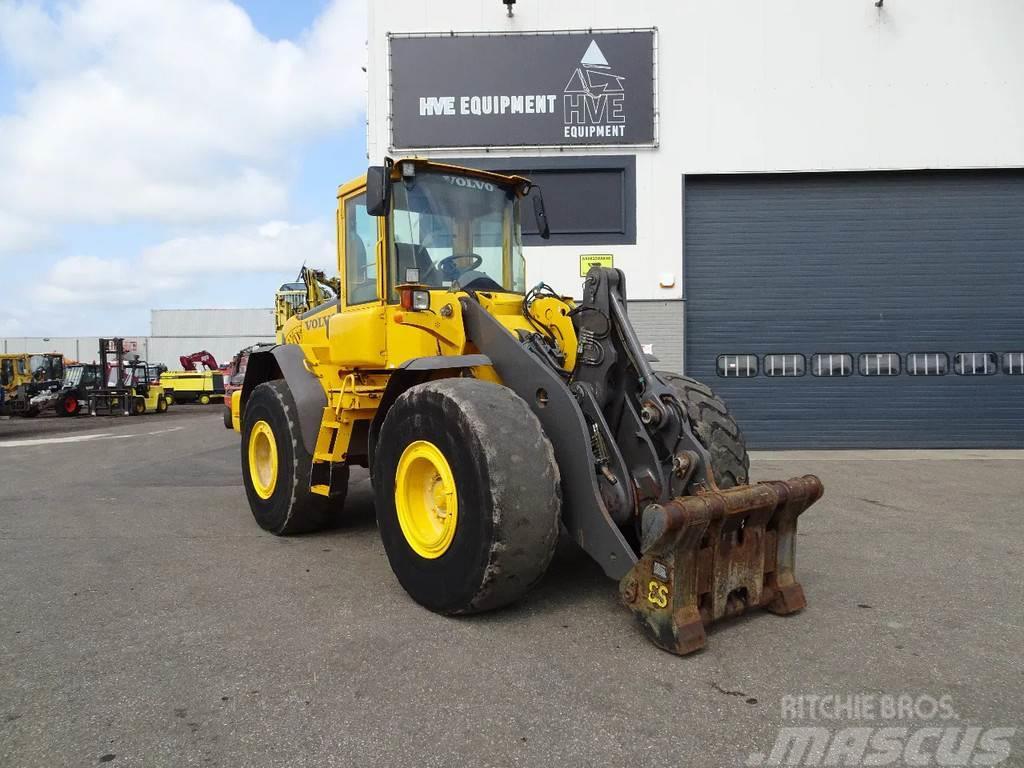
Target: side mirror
378 190
543 229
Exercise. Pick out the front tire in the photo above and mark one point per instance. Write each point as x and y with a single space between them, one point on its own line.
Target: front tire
227 419
467 495
716 429
68 405
276 466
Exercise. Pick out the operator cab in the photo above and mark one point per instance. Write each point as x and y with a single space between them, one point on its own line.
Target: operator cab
447 228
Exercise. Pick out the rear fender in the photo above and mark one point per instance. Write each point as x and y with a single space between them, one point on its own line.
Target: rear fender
286 361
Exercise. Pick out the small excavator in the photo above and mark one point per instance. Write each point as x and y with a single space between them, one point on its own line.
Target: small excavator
199 362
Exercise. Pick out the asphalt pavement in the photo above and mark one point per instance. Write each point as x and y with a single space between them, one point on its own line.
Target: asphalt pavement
145 620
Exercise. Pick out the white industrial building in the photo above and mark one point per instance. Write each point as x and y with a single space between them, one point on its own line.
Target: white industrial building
819 206
173 333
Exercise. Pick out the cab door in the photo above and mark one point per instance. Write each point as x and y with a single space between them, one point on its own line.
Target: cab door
357 332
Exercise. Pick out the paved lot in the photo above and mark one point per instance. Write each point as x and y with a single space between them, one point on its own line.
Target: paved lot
146 620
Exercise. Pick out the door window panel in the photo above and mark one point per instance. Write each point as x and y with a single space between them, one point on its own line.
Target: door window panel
879 364
360 252
1013 363
744 366
975 363
832 364
784 365
927 364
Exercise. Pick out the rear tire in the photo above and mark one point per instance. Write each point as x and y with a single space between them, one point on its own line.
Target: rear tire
716 429
204 399
161 405
281 500
506 487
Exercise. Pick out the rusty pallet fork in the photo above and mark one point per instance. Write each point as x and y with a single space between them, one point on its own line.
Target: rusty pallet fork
715 555
639 486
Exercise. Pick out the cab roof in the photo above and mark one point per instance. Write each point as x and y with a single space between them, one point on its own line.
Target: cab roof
460 170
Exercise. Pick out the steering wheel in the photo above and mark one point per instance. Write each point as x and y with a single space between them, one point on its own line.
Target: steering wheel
451 270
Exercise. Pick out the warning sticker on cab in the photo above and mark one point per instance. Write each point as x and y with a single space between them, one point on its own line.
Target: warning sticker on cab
588 260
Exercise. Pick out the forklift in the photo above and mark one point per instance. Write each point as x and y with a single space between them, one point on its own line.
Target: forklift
128 388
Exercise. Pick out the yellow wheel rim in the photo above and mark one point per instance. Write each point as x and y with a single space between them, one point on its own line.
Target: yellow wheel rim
263 459
426 499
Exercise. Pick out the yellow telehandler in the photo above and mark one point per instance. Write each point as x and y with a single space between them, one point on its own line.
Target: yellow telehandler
490 416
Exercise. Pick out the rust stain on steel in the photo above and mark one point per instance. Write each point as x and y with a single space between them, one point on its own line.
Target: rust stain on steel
716 555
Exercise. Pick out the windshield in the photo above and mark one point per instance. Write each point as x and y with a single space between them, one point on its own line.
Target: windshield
456 228
72 375
45 367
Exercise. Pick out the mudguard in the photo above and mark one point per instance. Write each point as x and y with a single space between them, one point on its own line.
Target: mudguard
409 374
286 361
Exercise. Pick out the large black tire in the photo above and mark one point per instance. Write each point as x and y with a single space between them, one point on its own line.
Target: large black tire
291 507
716 429
506 484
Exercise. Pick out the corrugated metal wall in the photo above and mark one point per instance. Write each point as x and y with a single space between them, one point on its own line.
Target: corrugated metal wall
167 350
81 348
211 323
660 324
221 332
176 332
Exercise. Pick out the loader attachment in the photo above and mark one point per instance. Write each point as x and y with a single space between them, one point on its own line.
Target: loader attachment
715 555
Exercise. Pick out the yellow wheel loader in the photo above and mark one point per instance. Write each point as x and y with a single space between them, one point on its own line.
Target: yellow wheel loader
490 416
311 289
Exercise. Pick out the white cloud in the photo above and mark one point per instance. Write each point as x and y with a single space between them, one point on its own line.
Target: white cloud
173 111
19 234
273 247
177 264
83 280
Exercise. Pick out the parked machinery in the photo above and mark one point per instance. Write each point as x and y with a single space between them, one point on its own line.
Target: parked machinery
234 375
79 380
489 416
198 361
28 381
201 387
311 289
127 386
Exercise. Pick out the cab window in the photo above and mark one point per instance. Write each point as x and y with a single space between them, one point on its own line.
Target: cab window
360 252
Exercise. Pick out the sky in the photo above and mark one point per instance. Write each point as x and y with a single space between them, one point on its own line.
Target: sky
170 154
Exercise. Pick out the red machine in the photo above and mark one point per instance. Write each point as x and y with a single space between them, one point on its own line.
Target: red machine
234 374
198 361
